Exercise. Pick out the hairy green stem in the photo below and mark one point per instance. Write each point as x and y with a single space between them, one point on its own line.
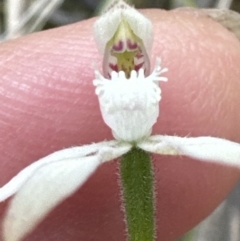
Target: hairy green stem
138 195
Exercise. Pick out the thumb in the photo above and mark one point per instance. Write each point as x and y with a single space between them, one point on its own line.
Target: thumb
48 103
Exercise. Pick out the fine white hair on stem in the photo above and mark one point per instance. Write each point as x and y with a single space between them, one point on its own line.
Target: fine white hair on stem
45 185
204 148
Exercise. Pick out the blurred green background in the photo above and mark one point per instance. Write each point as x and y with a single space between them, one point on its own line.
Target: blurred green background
20 17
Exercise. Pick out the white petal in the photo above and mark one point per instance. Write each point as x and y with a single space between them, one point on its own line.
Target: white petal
51 184
130 107
43 191
106 26
16 182
204 148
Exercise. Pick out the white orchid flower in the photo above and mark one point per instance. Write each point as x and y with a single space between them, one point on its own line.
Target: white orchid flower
129 99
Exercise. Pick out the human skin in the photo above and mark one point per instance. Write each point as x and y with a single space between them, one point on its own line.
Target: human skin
47 103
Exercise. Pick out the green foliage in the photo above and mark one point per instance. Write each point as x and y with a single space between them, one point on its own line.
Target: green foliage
138 194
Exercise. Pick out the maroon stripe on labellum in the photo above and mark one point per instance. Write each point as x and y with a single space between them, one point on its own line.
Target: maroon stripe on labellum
131 46
113 67
139 55
138 66
118 47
